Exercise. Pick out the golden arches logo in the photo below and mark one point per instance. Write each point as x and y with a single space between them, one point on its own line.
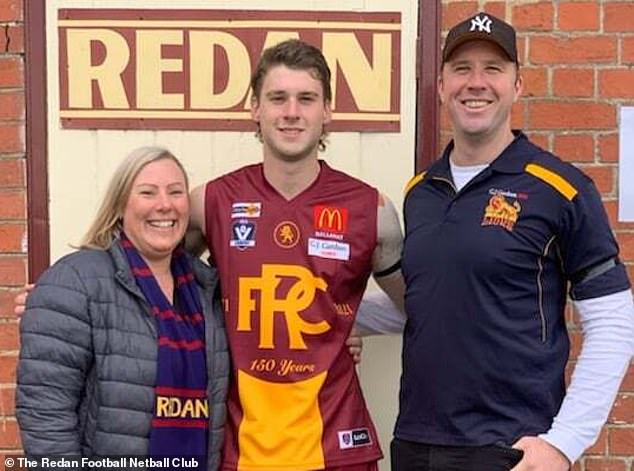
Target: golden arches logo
330 218
300 296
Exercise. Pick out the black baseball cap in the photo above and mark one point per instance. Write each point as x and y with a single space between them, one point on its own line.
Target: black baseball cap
482 26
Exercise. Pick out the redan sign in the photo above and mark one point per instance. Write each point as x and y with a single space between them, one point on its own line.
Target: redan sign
190 69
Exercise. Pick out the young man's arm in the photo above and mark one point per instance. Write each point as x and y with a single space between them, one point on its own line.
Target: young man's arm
378 313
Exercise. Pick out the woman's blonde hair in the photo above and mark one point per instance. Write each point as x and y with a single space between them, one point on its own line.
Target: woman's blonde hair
108 221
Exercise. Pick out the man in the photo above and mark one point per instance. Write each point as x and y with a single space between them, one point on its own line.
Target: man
295 242
495 231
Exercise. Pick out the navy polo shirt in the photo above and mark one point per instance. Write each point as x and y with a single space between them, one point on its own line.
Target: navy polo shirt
487 270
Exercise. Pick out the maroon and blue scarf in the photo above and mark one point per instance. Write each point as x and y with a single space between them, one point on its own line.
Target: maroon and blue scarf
181 415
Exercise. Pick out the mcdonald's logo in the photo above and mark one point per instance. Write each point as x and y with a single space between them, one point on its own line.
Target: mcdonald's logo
331 219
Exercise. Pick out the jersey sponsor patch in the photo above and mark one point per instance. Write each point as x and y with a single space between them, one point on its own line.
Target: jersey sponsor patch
246 210
286 234
330 219
242 234
500 212
354 438
328 249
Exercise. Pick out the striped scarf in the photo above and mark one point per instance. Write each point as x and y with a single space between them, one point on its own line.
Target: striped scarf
181 415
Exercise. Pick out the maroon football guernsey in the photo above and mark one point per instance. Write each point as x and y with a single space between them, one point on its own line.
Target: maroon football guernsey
292 276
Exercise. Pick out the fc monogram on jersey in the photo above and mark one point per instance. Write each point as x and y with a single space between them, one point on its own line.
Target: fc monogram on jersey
299 297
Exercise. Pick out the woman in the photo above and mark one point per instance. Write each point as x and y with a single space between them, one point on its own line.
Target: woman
123 348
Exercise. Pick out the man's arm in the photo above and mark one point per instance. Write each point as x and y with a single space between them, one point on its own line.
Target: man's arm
386 260
607 323
378 313
195 237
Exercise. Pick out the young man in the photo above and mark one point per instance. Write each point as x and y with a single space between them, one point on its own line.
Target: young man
295 242
496 230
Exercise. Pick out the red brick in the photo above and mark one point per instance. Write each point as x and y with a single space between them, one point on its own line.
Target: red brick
12 38
573 82
7 401
575 50
11 173
11 236
9 434
601 445
533 17
623 410
627 53
618 17
535 80
12 271
6 302
9 334
11 72
579 16
612 209
569 116
11 138
518 115
616 83
12 204
628 382
605 464
16 39
621 441
496 9
456 12
7 368
12 106
608 147
575 147
603 177
626 243
10 10
540 139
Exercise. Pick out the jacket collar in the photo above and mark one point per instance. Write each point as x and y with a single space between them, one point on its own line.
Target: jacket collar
205 276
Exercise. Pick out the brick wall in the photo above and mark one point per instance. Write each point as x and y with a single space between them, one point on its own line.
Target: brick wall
12 206
577 62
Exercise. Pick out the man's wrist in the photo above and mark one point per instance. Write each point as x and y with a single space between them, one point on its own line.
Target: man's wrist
565 443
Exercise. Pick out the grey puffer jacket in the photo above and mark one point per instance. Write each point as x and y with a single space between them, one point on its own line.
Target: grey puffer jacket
88 357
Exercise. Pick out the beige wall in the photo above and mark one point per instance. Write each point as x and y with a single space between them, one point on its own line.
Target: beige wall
81 162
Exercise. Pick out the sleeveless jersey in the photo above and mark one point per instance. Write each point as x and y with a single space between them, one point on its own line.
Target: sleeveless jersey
292 276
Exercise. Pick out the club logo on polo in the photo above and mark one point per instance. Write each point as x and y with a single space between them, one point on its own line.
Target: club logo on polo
299 297
481 23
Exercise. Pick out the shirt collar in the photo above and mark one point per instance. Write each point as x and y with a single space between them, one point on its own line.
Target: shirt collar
513 158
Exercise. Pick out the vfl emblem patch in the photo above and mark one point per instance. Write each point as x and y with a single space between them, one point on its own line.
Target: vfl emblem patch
286 234
328 249
246 210
242 234
354 438
500 212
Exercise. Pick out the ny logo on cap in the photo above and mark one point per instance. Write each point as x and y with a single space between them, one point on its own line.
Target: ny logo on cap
481 23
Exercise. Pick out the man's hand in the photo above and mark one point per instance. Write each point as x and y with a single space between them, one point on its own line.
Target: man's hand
20 300
355 346
539 455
